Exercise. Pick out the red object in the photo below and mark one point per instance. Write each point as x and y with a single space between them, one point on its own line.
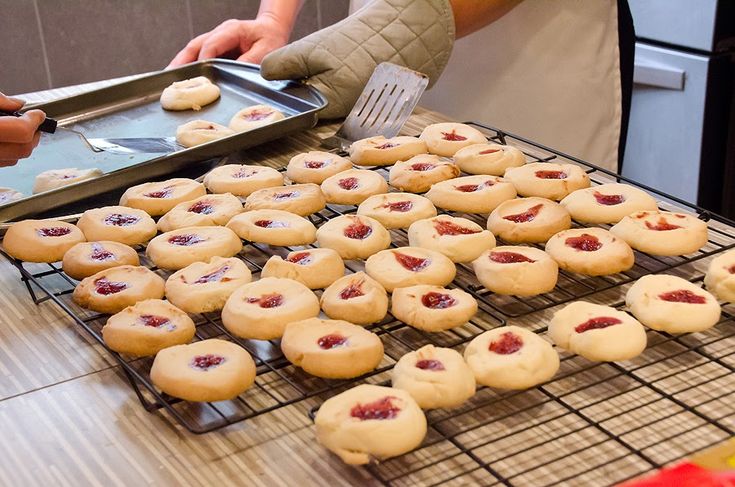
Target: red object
400 206
526 216
120 220
206 362
328 342
508 343
270 224
422 166
358 230
201 207
352 291
597 324
731 269
415 264
315 164
349 183
387 145
54 231
380 409
164 193
215 276
438 300
488 151
509 257
471 188
682 296
453 136
430 364
185 240
285 196
268 300
444 227
685 475
551 174
585 243
153 320
105 287
662 225
99 253
609 199
257 115
302 258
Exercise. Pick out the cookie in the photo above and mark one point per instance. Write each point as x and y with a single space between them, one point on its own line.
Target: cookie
471 194
528 220
432 308
416 175
198 132
356 298
58 178
178 248
492 159
517 271
114 289
379 151
159 197
315 166
203 287
354 186
129 226
315 268
41 240
253 117
273 227
87 258
590 251
459 239
241 179
301 199
547 179
205 211
408 266
397 210
607 203
445 139
189 94
720 277
8 195
662 232
353 236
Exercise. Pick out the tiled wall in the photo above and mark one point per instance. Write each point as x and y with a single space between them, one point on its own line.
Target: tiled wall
52 43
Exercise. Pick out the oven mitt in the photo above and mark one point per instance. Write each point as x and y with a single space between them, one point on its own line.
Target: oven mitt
339 60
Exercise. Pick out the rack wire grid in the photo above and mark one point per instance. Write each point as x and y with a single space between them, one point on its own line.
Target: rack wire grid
593 424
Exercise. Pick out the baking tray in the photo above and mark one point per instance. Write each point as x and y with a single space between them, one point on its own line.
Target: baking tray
132 109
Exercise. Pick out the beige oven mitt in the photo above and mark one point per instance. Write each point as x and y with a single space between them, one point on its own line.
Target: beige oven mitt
339 60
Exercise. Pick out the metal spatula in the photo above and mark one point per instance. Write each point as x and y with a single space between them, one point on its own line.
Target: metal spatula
385 104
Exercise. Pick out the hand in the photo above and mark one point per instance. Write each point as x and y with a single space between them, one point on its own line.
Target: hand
18 136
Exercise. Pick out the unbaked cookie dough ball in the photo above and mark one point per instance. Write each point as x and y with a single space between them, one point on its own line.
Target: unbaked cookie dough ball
432 308
87 258
459 239
517 271
112 290
492 159
379 151
528 220
354 186
720 278
315 166
416 175
301 199
471 194
58 178
205 211
315 268
547 179
356 298
255 116
159 197
8 195
41 240
189 94
672 304
662 232
273 227
178 248
445 139
408 266
397 210
590 251
241 179
607 203
199 132
122 224
353 236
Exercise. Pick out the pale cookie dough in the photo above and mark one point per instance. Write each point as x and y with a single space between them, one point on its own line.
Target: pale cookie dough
255 116
122 224
41 240
459 239
598 333
591 251
332 349
301 199
205 211
416 175
354 186
471 194
241 179
203 287
8 195
147 327
356 298
435 377
492 159
370 422
672 304
662 232
273 227
445 139
178 248
87 258
547 179
432 308
58 178
205 371
408 266
607 203
517 271
159 197
353 236
189 94
199 132
511 357
528 220
720 278
315 166
397 210
379 151
315 268
112 290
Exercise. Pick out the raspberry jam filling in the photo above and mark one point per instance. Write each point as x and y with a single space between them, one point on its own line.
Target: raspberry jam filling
328 342
201 207
301 258
387 145
415 264
489 151
53 231
257 115
585 243
380 409
507 344
608 199
285 196
349 183
67 176
120 220
399 206
244 173
453 136
153 321
185 240
682 296
215 276
444 227
358 230
162 193
526 216
273 300
551 174
434 300
731 269
422 166
106 287
509 257
100 254
315 164
471 188
597 324
354 290
270 224
206 362
430 364
662 225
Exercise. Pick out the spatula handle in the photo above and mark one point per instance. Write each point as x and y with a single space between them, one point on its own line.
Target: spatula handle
48 125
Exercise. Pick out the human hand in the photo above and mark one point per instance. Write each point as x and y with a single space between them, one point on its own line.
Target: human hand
18 135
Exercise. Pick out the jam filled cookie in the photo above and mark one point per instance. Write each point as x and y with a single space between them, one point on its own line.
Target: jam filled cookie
370 422
122 224
41 240
205 211
315 268
147 327
112 290
547 179
353 187
199 132
435 377
205 371
332 349
672 304
458 238
397 210
262 309
8 195
662 232
607 203
528 220
432 308
159 197
471 194
273 227
178 248
301 199
416 175
379 151
189 94
315 166
255 116
87 258
353 236
203 287
492 159
356 298
408 266
511 357
720 278
598 333
445 139
590 251
58 178
517 271
241 180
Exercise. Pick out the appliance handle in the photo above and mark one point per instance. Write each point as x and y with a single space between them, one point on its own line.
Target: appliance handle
657 75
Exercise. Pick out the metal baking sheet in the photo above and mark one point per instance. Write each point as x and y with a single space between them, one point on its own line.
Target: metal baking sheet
132 109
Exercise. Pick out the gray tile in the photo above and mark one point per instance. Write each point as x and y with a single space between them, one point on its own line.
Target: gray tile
307 21
208 14
23 68
332 11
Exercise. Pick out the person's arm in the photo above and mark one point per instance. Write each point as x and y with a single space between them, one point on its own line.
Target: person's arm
18 135
472 15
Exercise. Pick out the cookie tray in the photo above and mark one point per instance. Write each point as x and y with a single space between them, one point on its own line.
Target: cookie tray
132 109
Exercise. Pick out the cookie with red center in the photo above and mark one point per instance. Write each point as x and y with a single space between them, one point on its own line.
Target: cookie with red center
255 116
41 240
379 151
547 179
528 220
354 186
8 195
598 333
301 199
459 239
178 248
241 179
445 139
416 175
159 197
198 132
432 308
205 211
315 268
204 371
58 178
262 309
114 289
408 266
590 251
273 227
511 357
189 94
147 327
370 422
607 203
662 232
353 236
122 224
87 258
332 349
471 194
315 166
435 377
672 304
720 278
518 271
492 159
397 210
356 298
